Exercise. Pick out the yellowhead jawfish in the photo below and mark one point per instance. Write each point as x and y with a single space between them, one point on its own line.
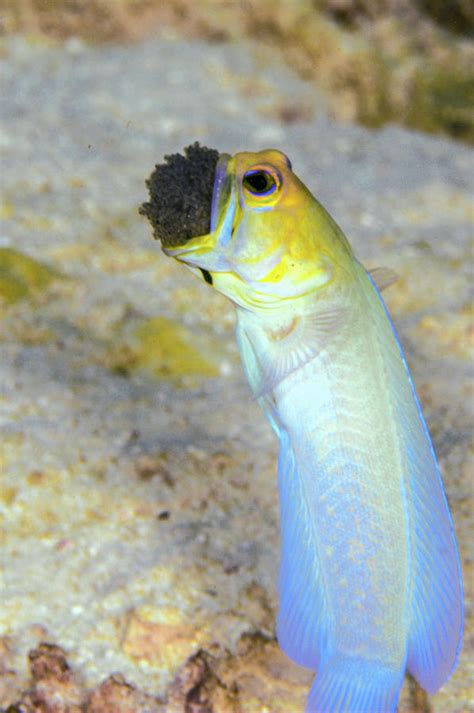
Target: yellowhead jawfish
369 583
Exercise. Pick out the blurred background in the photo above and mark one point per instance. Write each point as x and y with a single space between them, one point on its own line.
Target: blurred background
377 61
139 519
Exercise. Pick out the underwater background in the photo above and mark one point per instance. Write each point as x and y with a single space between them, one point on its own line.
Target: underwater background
138 501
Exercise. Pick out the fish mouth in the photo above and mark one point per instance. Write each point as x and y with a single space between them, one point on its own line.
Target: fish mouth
204 251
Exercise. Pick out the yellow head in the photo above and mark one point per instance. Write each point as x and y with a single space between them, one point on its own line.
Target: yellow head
270 239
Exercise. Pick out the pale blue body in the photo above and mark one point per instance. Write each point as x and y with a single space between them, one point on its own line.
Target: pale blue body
369 581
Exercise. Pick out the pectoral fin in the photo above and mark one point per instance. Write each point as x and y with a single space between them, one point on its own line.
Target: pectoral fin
290 346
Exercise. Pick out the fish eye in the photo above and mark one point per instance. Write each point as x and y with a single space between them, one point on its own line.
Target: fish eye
259 182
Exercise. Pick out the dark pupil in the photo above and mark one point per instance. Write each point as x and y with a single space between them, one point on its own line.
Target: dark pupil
258 182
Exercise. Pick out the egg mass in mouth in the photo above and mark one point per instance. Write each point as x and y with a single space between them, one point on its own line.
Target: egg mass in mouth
180 191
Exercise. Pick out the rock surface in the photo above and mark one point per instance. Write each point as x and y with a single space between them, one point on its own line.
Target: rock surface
138 502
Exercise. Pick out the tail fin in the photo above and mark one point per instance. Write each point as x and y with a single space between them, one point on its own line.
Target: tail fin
355 686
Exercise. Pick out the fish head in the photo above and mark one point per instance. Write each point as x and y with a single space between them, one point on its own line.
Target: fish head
270 239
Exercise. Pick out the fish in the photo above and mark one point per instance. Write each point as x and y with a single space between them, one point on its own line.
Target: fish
370 582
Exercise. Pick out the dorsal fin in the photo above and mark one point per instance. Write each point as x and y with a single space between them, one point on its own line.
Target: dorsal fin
383 277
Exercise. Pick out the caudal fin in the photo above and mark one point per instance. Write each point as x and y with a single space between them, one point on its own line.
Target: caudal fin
354 686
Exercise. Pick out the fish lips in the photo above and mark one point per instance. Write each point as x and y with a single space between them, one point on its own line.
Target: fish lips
207 251
222 189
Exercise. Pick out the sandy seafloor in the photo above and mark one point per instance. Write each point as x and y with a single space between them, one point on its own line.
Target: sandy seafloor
138 503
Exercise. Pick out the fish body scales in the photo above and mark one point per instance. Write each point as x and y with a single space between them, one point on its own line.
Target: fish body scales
369 578
339 425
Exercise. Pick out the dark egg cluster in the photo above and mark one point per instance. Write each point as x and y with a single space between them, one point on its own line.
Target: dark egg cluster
181 195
